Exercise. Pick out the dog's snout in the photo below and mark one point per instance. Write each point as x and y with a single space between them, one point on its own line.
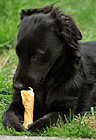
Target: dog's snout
18 86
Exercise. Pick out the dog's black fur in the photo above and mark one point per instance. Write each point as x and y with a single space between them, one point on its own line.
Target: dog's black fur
61 71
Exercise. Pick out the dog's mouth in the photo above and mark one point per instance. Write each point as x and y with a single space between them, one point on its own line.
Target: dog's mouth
25 85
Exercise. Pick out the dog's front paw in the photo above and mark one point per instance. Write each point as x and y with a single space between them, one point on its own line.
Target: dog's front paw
33 127
41 124
36 127
9 119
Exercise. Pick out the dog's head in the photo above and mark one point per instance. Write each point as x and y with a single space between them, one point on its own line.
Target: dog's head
42 39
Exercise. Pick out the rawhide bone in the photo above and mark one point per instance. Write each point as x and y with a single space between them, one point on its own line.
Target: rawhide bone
28 102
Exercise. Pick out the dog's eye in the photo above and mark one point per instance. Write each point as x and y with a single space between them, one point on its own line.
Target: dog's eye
36 56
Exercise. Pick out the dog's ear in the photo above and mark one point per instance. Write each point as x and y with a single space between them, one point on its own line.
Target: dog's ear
66 28
70 31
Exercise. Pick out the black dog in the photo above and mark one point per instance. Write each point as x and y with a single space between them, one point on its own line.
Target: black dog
61 71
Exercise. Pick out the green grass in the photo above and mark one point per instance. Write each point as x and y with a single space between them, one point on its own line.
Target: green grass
83 12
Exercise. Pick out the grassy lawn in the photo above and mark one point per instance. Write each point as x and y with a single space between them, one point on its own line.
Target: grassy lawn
84 14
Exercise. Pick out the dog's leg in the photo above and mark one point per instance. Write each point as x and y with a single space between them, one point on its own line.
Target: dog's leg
13 116
48 120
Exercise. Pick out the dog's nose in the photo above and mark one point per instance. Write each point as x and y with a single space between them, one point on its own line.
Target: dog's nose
18 86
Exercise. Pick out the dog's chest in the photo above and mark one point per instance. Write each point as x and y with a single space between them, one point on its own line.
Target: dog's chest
54 100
